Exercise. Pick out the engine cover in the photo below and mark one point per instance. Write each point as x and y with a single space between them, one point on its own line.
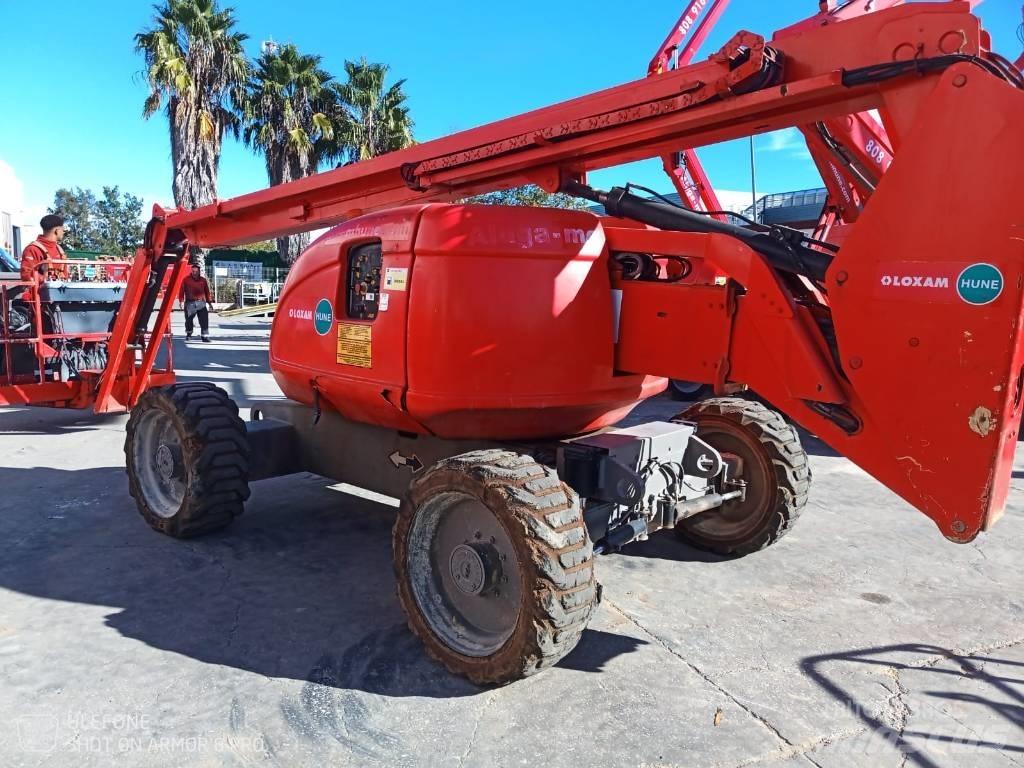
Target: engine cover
461 321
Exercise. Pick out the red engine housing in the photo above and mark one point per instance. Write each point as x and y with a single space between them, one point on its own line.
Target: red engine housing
485 322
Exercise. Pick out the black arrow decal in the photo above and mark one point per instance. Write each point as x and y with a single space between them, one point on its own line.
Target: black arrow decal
400 461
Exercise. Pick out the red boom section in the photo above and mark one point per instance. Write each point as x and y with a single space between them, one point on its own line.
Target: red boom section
911 366
693 106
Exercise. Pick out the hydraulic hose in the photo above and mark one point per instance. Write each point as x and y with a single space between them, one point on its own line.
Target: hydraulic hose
787 256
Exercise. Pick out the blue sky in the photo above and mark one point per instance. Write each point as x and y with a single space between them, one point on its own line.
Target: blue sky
71 100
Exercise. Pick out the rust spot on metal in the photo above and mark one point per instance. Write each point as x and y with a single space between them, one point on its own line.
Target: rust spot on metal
981 421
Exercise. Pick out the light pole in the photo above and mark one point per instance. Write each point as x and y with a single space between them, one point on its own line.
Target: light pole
753 180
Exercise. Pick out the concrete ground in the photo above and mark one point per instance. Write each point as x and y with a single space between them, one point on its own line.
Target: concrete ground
862 639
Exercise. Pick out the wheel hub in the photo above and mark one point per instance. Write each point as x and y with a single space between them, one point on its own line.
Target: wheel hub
464 573
165 462
472 569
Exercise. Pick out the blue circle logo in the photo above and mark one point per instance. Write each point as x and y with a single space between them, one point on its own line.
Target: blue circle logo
323 318
980 284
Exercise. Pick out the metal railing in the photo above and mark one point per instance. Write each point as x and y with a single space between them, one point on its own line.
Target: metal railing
795 200
254 288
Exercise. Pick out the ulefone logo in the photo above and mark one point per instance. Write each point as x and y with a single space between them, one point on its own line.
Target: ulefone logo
980 284
323 317
37 733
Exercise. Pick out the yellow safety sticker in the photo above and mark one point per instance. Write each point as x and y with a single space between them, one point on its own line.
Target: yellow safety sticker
396 279
355 345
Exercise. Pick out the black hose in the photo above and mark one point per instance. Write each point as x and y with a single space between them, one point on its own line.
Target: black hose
789 257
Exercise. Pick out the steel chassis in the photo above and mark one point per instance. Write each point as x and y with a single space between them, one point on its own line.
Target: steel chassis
286 438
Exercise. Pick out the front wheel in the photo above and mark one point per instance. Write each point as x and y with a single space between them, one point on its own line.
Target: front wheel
494 565
764 452
188 459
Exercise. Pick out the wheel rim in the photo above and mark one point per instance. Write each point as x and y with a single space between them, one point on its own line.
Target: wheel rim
737 519
158 461
464 574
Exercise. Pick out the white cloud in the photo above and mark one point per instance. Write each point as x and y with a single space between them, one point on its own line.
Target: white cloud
790 141
12 198
12 191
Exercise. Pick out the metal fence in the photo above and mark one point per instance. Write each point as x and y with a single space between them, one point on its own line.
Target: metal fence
245 284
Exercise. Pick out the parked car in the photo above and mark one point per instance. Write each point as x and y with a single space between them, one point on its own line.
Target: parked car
9 267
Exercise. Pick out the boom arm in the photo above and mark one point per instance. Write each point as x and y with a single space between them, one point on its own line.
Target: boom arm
916 295
743 90
684 168
851 153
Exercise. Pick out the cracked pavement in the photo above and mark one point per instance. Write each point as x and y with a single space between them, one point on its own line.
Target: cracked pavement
861 639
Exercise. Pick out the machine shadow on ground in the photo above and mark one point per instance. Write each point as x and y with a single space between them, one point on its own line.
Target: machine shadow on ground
250 327
40 422
301 587
666 545
926 682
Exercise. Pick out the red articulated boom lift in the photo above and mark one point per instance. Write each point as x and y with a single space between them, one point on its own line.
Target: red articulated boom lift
473 359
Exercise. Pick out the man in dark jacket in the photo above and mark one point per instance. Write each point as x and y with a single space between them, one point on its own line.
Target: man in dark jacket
195 299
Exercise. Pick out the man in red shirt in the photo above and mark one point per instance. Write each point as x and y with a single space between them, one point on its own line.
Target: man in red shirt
40 257
195 298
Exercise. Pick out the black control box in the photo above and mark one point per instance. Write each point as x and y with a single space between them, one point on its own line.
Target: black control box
364 268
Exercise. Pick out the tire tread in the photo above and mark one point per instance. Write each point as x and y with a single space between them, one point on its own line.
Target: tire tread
548 514
216 449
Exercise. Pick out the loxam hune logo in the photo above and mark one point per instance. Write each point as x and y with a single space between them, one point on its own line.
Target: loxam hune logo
323 317
944 282
980 284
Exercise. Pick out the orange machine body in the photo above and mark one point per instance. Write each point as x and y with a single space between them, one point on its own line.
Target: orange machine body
473 306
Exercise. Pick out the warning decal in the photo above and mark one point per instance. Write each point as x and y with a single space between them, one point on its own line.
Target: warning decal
355 345
396 279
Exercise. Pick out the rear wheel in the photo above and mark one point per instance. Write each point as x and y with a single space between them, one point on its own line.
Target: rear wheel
187 458
494 565
687 391
764 452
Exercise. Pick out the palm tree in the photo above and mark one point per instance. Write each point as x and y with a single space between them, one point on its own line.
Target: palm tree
371 121
285 116
196 64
